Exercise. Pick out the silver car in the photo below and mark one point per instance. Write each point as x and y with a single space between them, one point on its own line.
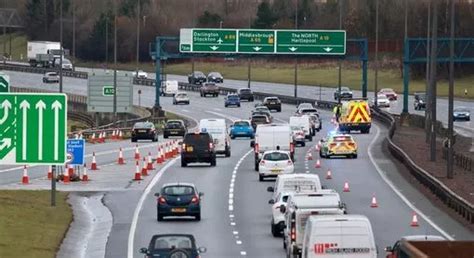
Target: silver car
50 77
181 97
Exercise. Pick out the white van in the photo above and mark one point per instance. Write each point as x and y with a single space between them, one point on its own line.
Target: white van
218 129
348 236
299 207
272 137
305 123
295 182
169 88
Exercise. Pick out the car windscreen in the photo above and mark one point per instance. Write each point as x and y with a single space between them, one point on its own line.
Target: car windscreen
341 138
259 119
178 190
174 125
461 110
215 74
276 156
241 124
245 91
143 125
345 89
173 242
197 139
309 110
181 95
233 97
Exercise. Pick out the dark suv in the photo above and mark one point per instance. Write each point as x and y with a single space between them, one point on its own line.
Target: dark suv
259 119
246 94
420 101
174 128
172 245
209 89
198 147
144 130
197 77
345 93
178 199
272 103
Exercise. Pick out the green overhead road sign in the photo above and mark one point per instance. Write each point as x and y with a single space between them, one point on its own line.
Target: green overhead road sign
314 42
33 128
248 41
4 82
108 91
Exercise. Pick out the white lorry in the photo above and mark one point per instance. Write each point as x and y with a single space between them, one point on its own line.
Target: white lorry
348 236
297 211
43 53
218 129
272 137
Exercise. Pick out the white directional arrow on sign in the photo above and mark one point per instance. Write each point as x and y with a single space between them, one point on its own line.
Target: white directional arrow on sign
220 41
327 49
292 49
24 106
214 48
6 143
6 105
257 48
56 107
41 106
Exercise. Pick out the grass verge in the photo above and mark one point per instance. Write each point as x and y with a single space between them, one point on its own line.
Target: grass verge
29 226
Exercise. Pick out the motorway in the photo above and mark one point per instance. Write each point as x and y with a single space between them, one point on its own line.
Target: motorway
244 229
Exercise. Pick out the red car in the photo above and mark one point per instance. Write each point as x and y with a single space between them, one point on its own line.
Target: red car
390 93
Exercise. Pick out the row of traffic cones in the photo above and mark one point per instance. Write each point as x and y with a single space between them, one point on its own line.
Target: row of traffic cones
102 136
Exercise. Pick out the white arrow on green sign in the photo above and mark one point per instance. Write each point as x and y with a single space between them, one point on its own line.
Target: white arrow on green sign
33 128
4 82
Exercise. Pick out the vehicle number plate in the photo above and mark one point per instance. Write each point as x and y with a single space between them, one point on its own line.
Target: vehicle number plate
178 210
142 131
174 132
276 170
189 149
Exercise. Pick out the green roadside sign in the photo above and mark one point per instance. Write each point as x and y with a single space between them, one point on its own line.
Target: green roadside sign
108 91
314 42
4 82
33 128
251 41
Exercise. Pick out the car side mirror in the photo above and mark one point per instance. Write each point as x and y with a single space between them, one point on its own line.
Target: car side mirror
388 249
201 194
202 250
270 189
282 208
143 250
271 201
157 194
252 144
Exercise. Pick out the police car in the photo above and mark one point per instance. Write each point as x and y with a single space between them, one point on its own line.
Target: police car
338 145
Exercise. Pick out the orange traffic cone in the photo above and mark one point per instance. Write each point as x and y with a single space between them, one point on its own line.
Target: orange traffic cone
329 175
25 179
66 178
137 153
316 148
374 204
318 164
144 168
158 157
175 149
104 136
70 170
94 162
149 165
138 176
120 160
346 187
163 153
113 135
50 172
414 220
310 156
120 136
93 138
85 177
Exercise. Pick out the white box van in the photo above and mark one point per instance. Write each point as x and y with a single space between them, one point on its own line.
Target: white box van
348 236
218 129
272 137
304 122
295 182
299 207
169 88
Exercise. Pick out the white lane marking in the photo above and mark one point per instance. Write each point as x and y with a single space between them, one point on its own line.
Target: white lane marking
136 213
185 110
231 118
398 192
239 242
217 109
280 120
243 253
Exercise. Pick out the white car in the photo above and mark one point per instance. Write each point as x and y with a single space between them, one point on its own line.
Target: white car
274 163
181 97
50 77
382 101
297 133
140 75
278 217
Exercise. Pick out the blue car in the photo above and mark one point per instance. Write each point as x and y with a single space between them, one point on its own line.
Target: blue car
173 245
241 128
232 100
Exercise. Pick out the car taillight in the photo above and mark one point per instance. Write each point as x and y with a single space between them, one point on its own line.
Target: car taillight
332 145
256 148
183 146
162 200
262 162
351 144
195 199
293 232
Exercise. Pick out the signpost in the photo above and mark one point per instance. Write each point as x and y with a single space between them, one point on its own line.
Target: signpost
4 82
251 41
100 92
33 128
76 151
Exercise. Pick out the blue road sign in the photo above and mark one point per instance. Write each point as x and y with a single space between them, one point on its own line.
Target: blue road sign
76 151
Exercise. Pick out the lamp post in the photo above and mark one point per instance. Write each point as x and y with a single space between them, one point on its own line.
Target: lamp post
376 51
296 57
138 39
450 97
339 81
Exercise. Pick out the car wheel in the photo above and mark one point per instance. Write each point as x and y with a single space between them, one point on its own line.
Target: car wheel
213 162
159 217
251 100
275 231
198 217
260 177
154 139
238 105
354 156
310 138
279 110
256 166
183 163
227 153
225 105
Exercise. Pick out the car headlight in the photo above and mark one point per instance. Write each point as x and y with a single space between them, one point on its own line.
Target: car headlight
421 101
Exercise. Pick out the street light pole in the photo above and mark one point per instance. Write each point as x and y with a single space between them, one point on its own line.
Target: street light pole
434 47
73 2
339 81
106 42
450 97
61 46
138 37
427 76
115 58
376 51
296 57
